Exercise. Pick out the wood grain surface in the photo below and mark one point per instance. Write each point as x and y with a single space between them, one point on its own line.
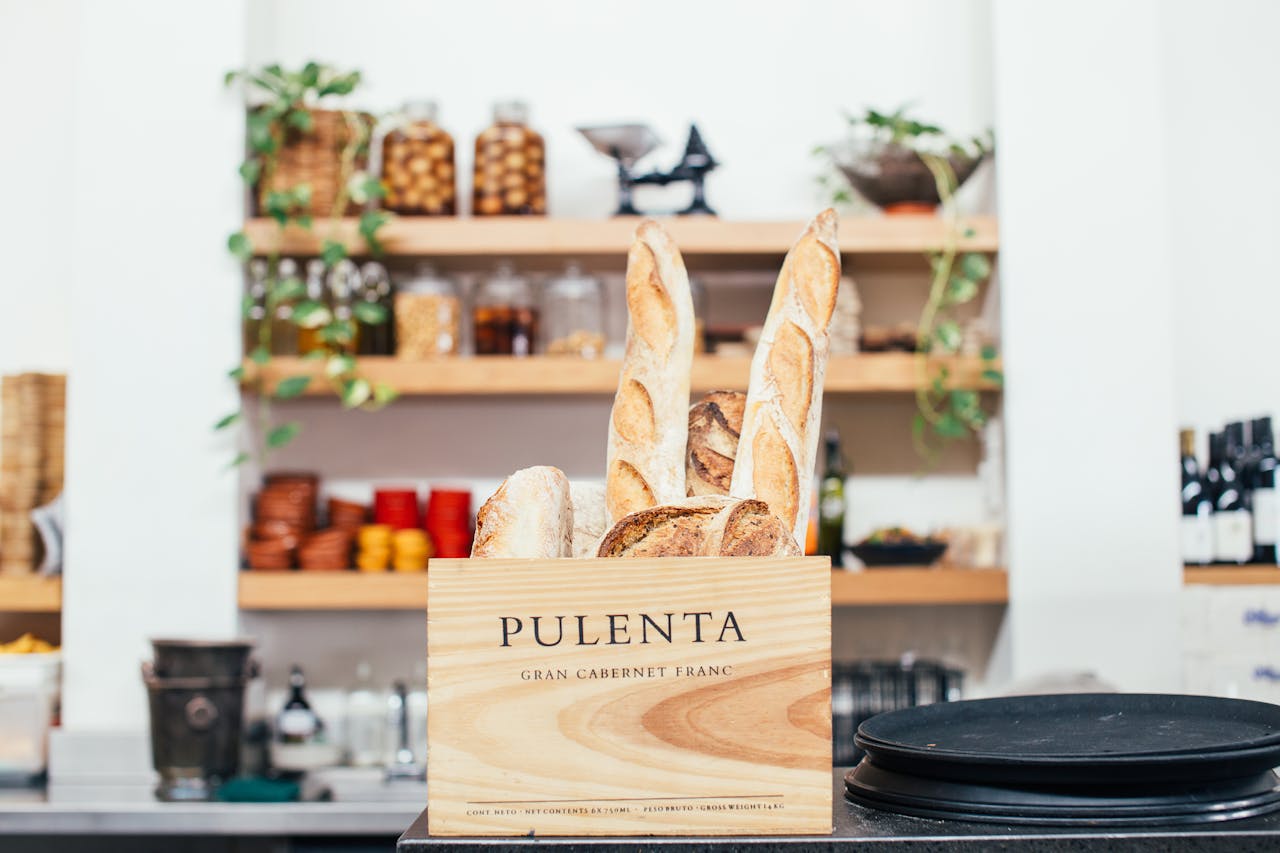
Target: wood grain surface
631 715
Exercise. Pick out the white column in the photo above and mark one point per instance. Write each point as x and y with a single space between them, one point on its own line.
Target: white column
151 511
1088 343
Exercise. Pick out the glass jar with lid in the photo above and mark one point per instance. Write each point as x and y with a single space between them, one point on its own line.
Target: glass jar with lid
510 177
428 312
417 164
505 314
344 288
698 292
573 315
284 332
255 305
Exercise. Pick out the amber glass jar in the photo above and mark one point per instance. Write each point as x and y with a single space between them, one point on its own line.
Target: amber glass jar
510 174
506 318
417 164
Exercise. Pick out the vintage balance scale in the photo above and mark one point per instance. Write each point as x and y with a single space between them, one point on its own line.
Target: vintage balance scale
629 143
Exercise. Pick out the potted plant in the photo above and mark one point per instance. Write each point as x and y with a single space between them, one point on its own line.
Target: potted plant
882 158
287 126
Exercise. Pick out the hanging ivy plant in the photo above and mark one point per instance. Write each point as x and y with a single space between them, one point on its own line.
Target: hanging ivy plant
943 413
281 104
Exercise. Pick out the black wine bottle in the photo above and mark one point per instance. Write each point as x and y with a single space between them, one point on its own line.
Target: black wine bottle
1232 524
831 503
1197 506
1262 480
297 722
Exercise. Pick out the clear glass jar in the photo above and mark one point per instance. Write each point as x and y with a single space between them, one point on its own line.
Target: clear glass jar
344 287
573 315
698 291
418 164
255 304
510 176
428 311
309 336
284 332
505 315
375 289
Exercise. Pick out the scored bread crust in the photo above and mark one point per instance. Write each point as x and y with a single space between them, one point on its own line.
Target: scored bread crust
715 424
779 443
648 426
702 526
529 516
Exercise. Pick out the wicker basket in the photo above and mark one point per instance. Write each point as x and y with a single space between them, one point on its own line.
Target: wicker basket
315 158
32 431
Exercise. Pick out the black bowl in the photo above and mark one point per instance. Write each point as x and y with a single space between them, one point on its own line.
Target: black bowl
899 554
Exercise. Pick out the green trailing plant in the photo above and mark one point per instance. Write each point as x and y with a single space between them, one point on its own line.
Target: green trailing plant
943 413
281 104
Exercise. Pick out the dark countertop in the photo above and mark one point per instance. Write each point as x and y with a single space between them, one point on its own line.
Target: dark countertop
859 828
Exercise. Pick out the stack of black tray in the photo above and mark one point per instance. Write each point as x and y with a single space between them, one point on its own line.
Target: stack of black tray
1079 759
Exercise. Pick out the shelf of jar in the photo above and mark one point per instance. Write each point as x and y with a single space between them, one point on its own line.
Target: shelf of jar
1230 574
528 236
30 594
866 373
351 590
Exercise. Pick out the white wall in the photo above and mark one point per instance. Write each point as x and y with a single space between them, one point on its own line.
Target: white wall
154 328
1221 123
1089 346
765 82
36 43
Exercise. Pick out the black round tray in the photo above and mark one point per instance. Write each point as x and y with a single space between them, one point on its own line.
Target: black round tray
1064 805
1105 738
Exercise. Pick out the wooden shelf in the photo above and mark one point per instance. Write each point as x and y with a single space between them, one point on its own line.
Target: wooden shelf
535 236
1231 575
919 585
34 594
868 373
333 590
408 591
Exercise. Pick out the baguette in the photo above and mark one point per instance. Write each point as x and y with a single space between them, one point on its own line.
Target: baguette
648 427
529 516
715 423
779 443
703 526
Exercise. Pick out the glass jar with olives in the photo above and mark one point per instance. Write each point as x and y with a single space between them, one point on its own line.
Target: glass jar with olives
417 164
510 175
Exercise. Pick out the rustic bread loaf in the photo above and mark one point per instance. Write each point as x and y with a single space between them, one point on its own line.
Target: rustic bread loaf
715 423
529 516
779 443
703 526
590 521
648 428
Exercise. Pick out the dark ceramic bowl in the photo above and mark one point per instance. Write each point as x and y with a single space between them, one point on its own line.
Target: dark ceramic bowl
923 553
893 177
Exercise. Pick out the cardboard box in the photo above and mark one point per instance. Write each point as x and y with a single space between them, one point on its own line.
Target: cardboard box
629 697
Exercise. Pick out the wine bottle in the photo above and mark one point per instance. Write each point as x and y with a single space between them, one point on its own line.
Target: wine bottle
1262 480
297 723
831 503
1232 525
1197 506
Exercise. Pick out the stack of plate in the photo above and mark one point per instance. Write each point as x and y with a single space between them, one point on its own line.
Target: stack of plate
1080 759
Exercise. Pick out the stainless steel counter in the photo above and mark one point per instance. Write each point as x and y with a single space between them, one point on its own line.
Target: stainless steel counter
85 810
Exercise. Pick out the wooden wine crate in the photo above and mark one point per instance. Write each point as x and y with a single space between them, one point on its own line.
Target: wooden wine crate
629 697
